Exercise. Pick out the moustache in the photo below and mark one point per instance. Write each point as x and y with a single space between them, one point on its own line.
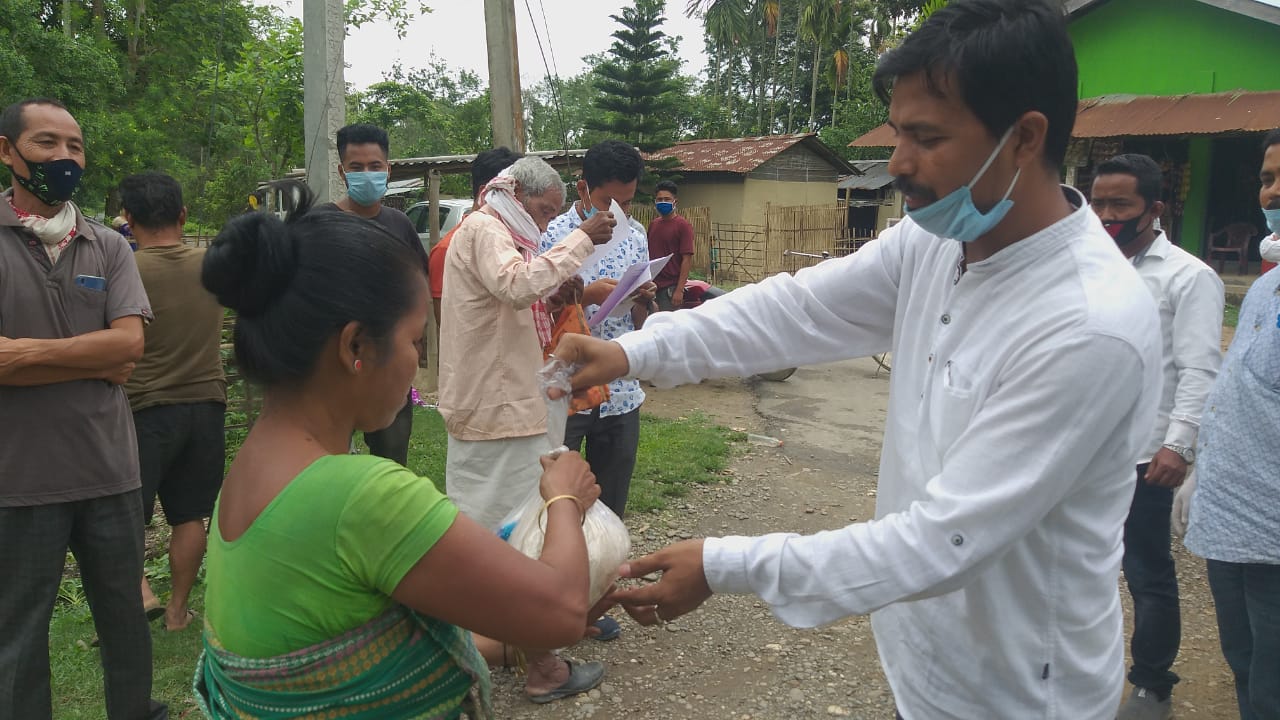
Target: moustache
906 187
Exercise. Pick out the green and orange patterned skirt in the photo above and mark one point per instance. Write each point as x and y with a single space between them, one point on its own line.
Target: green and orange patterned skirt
400 665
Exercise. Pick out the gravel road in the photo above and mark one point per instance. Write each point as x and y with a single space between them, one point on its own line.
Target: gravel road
732 660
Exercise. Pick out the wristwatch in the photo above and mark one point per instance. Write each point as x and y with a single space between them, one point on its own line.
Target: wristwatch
1187 454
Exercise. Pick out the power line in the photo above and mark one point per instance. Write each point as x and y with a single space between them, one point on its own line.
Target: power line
552 80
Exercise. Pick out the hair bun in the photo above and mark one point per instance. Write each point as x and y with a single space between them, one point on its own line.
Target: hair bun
250 263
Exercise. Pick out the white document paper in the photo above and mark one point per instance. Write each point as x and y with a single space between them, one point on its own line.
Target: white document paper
620 233
615 305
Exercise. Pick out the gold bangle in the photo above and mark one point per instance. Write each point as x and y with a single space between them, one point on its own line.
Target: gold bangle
582 510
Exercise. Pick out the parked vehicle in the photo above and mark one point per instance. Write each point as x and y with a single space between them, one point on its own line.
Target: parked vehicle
450 213
697 292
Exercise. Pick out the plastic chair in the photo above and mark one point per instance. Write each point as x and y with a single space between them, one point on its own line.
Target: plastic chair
1232 240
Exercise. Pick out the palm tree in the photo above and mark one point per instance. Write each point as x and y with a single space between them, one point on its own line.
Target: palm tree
817 20
725 23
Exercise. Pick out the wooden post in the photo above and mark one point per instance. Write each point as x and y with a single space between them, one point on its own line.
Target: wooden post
431 381
433 204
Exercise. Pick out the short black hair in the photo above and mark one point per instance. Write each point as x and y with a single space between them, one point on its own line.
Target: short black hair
295 283
1272 138
1145 170
489 164
362 134
666 185
12 124
611 160
152 199
1004 57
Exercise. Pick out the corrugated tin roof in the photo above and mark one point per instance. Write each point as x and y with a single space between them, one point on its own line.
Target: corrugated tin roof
1136 115
875 175
880 137
1265 10
407 168
743 155
450 164
1119 115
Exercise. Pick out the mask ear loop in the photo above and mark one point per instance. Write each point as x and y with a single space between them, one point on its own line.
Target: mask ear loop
1009 192
991 159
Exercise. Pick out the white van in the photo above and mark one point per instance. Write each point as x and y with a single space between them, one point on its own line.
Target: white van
450 214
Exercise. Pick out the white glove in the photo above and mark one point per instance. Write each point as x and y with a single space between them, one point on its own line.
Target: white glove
1182 504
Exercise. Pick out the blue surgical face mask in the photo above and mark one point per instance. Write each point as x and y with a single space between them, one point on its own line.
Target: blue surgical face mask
366 188
588 209
665 208
956 217
1273 219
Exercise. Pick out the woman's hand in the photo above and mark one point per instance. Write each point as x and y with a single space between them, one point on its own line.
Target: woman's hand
569 474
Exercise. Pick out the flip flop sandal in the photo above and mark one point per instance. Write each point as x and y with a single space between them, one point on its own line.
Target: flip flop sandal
155 612
582 677
191 617
609 629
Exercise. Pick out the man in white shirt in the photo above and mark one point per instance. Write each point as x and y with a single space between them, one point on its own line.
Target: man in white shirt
1025 382
1189 295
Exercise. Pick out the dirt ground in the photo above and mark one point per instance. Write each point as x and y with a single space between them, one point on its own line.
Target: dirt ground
731 659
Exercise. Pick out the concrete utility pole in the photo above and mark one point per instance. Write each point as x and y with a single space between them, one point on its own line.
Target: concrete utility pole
504 74
323 93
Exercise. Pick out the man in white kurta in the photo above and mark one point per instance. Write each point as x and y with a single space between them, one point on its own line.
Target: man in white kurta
1026 376
1018 398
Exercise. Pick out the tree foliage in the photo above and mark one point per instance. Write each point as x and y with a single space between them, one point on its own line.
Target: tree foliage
211 92
637 79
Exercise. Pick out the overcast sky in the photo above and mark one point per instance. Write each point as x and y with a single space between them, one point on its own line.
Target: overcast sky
454 29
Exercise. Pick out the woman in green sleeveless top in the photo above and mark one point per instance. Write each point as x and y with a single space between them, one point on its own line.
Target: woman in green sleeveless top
344 585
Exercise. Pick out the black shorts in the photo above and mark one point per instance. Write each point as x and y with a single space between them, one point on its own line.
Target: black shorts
181 453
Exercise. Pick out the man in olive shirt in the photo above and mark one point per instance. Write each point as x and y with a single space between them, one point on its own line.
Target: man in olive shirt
71 313
363 153
177 393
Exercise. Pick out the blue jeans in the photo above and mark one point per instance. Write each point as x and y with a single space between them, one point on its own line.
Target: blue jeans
1153 584
1247 600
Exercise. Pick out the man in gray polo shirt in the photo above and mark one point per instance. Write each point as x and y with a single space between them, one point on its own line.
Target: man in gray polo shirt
72 308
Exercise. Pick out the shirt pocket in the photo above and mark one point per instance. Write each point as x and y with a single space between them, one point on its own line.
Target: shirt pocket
953 404
1262 357
86 310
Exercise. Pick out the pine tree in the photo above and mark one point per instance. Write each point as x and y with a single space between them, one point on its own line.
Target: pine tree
637 80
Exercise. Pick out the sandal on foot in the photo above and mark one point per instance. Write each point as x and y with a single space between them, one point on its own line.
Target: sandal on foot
608 627
154 612
582 677
191 616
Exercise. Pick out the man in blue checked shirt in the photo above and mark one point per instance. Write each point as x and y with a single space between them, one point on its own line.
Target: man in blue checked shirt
1235 510
610 172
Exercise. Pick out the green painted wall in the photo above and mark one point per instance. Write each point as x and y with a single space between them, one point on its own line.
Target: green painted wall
1170 47
1196 208
1174 47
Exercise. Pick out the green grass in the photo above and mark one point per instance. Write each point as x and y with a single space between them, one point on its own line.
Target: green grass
1231 316
672 455
675 453
77 670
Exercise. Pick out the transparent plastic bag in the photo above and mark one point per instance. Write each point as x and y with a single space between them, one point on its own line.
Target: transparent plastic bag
608 542
555 375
